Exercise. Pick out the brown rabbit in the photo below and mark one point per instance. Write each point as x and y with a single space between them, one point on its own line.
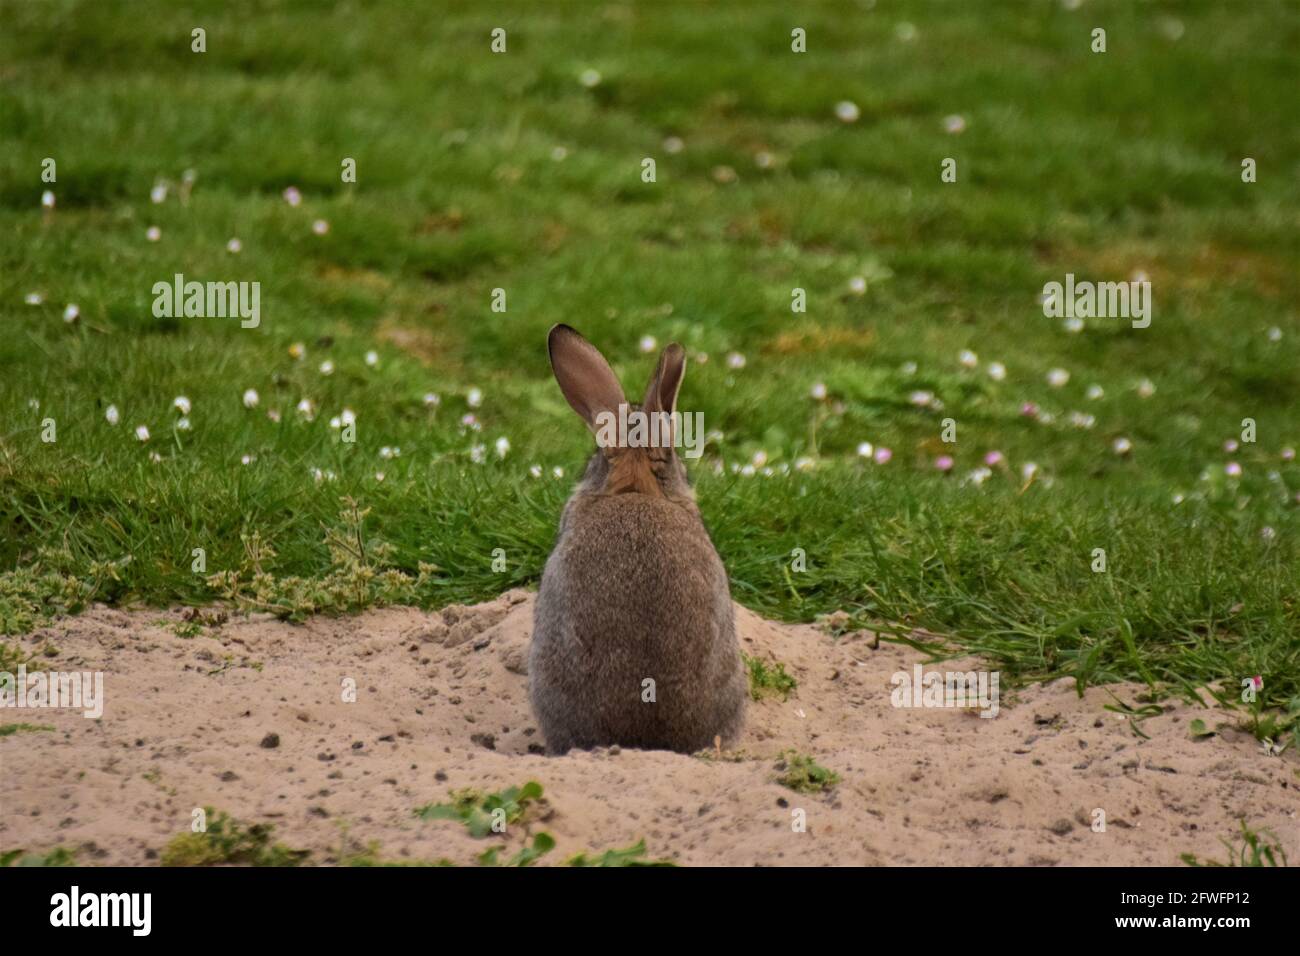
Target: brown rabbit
634 641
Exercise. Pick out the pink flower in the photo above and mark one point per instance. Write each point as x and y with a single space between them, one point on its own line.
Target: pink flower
1029 410
944 463
993 458
883 455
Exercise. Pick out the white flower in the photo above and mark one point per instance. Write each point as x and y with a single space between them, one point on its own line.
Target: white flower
921 399
327 367
1146 388
997 371
979 475
348 417
273 414
858 285
1082 420
559 154
759 459
818 391
905 31
478 454
557 471
34 298
47 199
306 409
320 227
1073 325
648 343
432 399
502 446
1028 470
247 459
589 78
153 233
158 194
474 397
1057 377
470 421
865 449
535 471
111 415
673 144
954 124
234 246
1275 334
297 350
1095 392
182 424
181 404
250 398
735 360
748 471
389 452
805 463
142 432
763 159
1121 446
847 111
292 196
72 312
372 358
909 368
968 358
155 457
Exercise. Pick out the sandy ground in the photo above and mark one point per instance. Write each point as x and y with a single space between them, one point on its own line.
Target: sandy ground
442 703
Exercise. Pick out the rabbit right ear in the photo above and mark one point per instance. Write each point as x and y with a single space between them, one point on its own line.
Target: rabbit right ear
585 378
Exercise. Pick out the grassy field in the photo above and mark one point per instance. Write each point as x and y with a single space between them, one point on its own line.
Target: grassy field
522 171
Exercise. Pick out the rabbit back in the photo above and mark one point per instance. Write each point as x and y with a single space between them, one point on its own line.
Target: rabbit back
634 592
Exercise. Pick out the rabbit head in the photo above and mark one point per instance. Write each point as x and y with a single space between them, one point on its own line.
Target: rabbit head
627 460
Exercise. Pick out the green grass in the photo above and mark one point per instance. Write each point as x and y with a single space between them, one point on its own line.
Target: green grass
1260 848
802 774
59 856
227 841
8 730
482 813
1100 165
768 680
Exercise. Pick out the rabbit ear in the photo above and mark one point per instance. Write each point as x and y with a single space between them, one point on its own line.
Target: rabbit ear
585 378
661 395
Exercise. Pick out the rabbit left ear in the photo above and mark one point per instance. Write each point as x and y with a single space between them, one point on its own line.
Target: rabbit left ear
585 378
661 394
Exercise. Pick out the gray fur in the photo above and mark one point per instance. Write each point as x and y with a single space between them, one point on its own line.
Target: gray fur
633 591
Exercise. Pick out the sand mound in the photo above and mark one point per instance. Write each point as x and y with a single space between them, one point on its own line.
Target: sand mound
441 703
